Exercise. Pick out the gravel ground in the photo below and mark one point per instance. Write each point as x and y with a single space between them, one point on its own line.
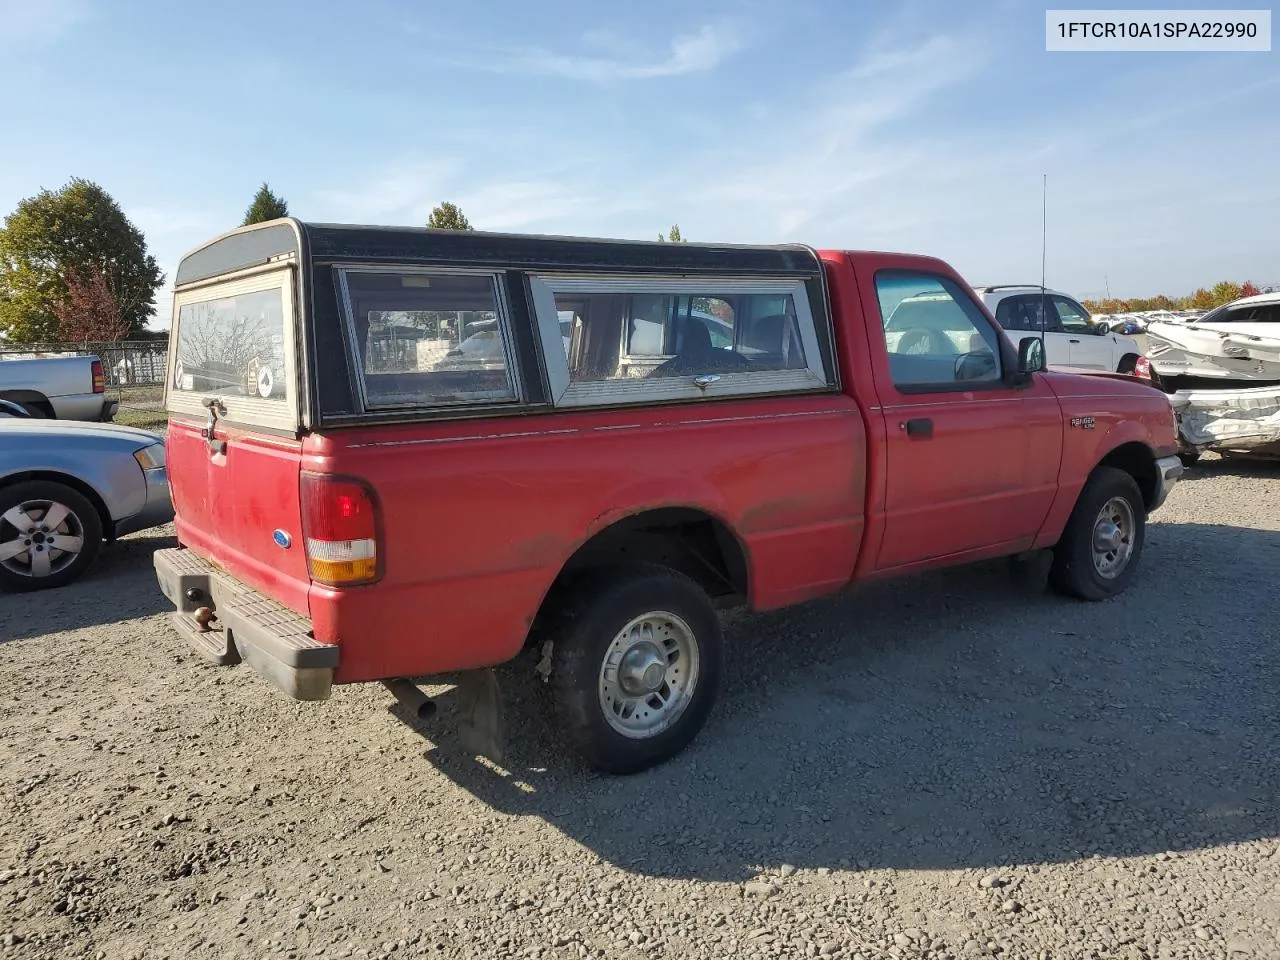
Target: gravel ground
944 766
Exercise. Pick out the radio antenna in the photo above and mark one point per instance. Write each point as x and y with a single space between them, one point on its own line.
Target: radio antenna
1044 243
1044 226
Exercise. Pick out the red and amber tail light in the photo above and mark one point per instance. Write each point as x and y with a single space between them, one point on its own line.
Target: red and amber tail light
342 526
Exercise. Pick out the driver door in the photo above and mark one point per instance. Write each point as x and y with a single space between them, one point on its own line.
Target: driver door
1087 350
972 462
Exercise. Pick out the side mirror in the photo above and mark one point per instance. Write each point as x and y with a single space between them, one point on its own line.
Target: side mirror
1101 329
1031 358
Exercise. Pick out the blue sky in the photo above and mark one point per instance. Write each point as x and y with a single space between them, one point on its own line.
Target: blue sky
917 126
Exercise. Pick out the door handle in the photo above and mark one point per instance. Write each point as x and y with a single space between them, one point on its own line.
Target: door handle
1073 341
919 427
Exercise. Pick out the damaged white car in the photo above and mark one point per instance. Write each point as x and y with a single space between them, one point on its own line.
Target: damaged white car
1222 374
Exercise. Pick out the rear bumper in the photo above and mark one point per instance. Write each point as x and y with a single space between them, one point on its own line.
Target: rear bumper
246 626
1168 471
84 406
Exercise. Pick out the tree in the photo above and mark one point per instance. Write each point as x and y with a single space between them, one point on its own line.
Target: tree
1202 299
266 206
446 216
71 233
1249 289
673 235
1225 292
90 311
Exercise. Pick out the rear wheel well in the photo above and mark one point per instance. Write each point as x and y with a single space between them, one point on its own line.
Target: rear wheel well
683 539
30 398
1136 460
90 494
1128 363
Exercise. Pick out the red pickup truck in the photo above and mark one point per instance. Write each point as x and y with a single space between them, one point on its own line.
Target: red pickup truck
397 453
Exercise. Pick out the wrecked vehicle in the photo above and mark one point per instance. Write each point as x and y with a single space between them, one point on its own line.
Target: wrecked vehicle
1222 374
727 425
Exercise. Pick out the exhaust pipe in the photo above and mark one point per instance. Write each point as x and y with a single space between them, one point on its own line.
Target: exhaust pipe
411 698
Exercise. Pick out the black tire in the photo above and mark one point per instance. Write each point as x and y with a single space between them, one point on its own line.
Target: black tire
82 518
591 614
1190 458
1074 571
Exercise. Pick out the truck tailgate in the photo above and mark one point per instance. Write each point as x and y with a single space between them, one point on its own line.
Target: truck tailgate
239 507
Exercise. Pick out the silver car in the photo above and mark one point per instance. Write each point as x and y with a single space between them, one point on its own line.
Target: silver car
65 487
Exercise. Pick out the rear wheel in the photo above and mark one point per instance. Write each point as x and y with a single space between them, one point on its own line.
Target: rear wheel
636 660
49 534
1100 548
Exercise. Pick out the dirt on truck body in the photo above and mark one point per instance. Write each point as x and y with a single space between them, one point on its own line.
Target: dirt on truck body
398 453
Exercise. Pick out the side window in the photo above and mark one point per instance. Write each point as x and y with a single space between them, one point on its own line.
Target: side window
425 340
935 334
1073 317
1026 312
649 339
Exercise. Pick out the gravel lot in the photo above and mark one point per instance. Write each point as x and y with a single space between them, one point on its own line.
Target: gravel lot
941 767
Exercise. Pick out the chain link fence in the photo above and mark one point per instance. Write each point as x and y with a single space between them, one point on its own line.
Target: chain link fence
134 371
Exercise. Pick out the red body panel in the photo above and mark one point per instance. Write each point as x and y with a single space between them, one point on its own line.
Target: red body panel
480 516
228 505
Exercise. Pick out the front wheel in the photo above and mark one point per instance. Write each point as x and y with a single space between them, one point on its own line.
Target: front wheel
49 535
1099 550
636 661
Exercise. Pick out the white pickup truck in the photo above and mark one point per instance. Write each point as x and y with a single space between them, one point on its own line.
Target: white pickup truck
64 388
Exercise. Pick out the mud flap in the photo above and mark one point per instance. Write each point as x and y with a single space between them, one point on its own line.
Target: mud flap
1030 570
482 726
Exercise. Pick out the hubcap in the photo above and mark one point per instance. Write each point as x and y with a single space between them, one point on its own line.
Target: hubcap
1113 532
39 538
648 675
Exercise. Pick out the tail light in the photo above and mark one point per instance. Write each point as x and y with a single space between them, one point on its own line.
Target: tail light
99 381
341 525
1142 368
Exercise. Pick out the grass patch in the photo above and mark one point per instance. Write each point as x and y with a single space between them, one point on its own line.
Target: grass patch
141 417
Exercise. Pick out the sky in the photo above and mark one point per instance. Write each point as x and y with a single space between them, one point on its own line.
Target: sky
924 127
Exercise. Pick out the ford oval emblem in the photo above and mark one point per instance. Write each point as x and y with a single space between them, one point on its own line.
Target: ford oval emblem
282 539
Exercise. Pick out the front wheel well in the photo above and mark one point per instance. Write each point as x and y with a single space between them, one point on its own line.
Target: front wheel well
684 539
76 484
1137 460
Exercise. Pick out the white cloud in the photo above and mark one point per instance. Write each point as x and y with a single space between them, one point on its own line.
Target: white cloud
698 52
24 23
403 190
875 163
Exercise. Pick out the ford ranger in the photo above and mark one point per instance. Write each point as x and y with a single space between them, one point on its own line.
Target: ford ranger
653 431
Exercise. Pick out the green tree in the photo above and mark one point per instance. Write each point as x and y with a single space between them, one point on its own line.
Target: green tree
673 235
266 206
55 236
446 216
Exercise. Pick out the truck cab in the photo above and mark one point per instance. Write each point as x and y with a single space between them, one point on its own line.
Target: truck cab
649 433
